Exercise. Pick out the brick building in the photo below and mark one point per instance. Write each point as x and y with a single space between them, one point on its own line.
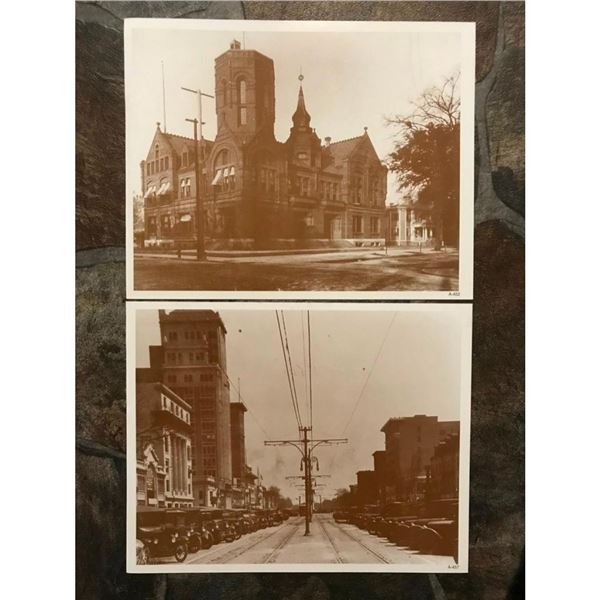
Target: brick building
191 361
163 426
410 444
366 488
256 190
444 470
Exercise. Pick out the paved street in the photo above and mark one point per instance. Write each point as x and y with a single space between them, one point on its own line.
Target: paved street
364 270
328 543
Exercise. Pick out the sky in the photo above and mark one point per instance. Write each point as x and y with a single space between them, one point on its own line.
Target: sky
351 81
367 366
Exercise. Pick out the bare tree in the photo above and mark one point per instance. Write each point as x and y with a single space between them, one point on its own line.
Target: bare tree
426 156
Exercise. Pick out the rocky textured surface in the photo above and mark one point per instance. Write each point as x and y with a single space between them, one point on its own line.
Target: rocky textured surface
497 459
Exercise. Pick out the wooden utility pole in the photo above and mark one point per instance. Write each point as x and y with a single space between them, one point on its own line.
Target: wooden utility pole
306 446
200 253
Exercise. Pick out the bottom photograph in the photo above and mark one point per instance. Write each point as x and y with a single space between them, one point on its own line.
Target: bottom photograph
298 437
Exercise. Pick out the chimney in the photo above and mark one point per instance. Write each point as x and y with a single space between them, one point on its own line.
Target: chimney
327 141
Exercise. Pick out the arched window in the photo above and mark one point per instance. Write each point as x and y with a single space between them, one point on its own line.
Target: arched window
242 98
242 90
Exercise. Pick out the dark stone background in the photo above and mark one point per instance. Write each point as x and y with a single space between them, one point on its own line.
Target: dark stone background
497 445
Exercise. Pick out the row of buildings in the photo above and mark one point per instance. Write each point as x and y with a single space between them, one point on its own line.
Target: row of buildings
190 438
420 462
257 191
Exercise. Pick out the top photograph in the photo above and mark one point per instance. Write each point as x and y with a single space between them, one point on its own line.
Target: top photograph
299 159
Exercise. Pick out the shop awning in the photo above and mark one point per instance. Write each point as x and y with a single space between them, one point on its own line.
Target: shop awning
226 172
231 171
218 178
165 188
150 191
185 218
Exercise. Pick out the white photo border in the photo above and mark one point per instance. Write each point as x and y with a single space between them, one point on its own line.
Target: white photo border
462 310
467 150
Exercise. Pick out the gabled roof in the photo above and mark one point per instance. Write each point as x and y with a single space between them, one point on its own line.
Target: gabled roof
179 142
342 149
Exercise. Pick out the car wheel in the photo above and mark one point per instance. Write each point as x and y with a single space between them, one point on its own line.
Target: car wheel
143 555
207 542
180 552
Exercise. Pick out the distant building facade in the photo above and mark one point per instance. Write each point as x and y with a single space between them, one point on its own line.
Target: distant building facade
163 425
257 191
408 224
366 488
444 470
410 443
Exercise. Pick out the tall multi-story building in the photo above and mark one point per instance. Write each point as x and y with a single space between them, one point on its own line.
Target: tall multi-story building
192 362
410 443
256 190
444 472
163 434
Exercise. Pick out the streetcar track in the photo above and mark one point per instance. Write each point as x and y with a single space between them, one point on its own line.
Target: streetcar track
363 545
272 555
338 555
235 552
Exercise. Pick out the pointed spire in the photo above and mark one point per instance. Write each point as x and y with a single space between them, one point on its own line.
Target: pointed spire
301 117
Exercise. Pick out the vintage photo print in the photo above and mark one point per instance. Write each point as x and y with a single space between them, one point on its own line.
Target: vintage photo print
298 437
299 159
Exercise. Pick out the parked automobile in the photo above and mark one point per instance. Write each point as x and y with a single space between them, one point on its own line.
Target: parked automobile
163 532
200 529
142 555
235 522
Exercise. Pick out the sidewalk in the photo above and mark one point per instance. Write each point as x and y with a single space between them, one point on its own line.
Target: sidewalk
191 254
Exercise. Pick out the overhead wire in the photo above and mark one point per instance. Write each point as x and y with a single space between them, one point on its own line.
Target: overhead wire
287 369
364 387
289 355
309 369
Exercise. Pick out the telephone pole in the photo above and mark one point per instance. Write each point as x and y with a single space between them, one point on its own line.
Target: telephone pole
200 252
306 447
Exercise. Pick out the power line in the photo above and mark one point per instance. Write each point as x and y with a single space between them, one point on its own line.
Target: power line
305 371
309 369
370 371
289 354
287 369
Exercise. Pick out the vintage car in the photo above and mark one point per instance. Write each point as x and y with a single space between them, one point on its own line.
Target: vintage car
235 522
199 529
163 531
142 556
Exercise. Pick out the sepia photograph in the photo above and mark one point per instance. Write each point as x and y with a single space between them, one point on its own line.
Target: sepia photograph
299 160
298 437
